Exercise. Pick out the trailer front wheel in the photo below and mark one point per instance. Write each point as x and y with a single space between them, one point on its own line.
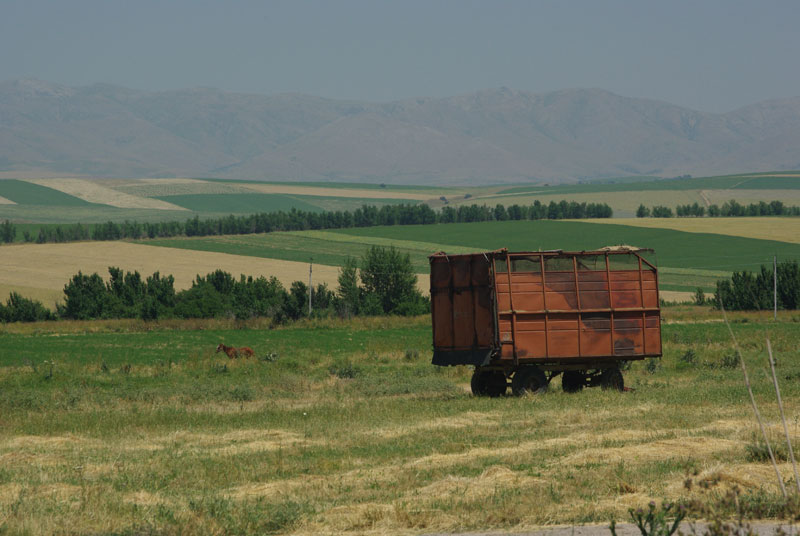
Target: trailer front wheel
488 383
527 380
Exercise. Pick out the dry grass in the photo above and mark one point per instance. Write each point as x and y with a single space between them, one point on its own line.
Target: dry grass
675 296
4 201
765 228
94 192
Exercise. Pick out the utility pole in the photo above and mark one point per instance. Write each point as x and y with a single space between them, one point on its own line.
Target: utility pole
310 264
775 287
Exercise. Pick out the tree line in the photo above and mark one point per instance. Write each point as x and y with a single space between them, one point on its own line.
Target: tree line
756 291
300 220
728 209
382 282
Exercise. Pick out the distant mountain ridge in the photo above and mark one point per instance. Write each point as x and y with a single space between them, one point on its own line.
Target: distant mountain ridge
491 136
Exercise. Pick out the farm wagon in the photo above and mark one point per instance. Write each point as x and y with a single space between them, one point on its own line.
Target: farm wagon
522 318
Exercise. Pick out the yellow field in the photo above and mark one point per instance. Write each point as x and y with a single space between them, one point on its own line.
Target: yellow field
766 228
94 192
4 201
40 271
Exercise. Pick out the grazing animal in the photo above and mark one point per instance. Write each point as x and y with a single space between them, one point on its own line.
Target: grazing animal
233 353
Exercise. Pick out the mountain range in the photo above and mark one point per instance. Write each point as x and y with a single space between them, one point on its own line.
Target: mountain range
492 136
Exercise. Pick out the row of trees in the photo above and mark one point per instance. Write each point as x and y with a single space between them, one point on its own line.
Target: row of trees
728 209
382 282
299 220
755 291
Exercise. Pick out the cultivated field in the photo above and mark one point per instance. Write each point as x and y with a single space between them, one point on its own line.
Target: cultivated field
134 428
48 267
179 198
779 229
687 259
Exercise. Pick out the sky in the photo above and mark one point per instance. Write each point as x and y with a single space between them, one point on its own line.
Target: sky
708 55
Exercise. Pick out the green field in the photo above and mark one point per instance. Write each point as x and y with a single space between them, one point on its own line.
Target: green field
672 248
26 193
124 427
325 247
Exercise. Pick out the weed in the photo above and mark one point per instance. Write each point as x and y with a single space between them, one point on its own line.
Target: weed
220 368
689 357
655 521
241 394
757 451
728 361
652 366
411 355
345 369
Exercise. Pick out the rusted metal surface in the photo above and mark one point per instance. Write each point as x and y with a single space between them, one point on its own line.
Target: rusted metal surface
555 307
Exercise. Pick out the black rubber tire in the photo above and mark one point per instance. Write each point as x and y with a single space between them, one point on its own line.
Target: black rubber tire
529 380
612 379
490 383
572 381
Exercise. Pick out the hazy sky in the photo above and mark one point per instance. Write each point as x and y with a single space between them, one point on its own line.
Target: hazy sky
707 55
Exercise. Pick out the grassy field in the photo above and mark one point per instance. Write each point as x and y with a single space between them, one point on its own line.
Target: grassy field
136 428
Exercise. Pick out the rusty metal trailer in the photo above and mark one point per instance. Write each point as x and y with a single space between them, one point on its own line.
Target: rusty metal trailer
522 318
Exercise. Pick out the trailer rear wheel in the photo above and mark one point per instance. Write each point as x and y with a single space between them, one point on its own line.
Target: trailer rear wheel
488 383
573 381
612 379
529 379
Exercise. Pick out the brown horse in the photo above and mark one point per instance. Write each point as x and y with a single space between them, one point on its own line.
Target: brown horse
233 353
